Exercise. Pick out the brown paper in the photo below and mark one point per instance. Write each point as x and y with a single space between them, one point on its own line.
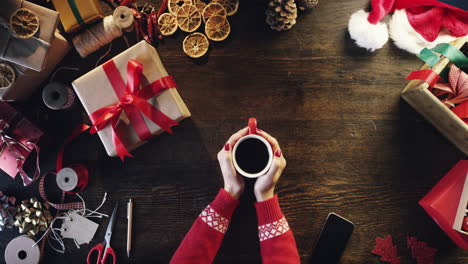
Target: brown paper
29 53
27 80
95 92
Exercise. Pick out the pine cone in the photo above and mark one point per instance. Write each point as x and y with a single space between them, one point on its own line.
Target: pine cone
281 14
307 4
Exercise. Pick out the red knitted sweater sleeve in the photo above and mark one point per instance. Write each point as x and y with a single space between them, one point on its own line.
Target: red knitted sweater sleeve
202 242
277 243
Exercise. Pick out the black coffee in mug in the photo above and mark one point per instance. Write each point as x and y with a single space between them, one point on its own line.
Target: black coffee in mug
252 155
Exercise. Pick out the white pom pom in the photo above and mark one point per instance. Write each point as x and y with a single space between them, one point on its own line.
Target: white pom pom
406 38
365 34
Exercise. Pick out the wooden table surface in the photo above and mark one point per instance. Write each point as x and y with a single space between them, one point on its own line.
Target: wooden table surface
352 145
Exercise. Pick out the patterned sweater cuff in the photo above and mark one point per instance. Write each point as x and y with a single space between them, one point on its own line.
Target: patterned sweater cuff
268 211
224 204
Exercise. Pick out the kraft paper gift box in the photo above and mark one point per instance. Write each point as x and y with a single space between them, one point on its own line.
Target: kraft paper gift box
76 14
27 80
30 53
95 91
15 130
418 95
442 202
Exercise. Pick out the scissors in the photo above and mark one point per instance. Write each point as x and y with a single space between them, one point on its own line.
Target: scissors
104 249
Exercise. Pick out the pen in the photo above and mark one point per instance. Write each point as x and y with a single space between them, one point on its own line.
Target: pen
129 225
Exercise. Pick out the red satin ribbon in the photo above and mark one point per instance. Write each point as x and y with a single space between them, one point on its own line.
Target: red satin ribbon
134 102
429 76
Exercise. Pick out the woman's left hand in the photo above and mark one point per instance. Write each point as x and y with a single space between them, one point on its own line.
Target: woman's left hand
233 182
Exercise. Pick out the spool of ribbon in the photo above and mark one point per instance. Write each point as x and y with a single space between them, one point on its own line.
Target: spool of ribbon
22 250
72 179
81 172
7 211
58 96
132 101
32 217
18 150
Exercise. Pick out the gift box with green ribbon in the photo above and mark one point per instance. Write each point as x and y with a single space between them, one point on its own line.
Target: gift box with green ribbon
77 14
438 90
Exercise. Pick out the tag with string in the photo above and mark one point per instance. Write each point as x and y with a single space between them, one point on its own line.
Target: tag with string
79 228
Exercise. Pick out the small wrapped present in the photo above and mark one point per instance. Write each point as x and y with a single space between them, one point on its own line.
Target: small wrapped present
76 14
18 138
26 80
442 202
111 93
30 52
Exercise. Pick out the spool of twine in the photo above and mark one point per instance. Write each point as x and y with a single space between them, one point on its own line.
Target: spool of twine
58 96
103 33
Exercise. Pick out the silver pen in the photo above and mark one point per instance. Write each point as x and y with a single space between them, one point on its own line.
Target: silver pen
129 225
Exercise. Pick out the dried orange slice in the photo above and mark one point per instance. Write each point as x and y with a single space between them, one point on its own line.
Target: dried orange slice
167 23
213 9
174 5
200 5
7 75
195 45
217 28
188 18
24 23
231 6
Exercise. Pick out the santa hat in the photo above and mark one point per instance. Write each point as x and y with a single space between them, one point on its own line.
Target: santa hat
415 24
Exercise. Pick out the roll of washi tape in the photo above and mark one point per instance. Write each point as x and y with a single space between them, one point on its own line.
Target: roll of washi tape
72 179
21 250
123 18
58 96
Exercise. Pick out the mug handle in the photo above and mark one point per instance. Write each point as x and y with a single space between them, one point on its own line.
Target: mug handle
252 125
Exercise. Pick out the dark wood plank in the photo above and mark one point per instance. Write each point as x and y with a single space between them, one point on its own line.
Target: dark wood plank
352 146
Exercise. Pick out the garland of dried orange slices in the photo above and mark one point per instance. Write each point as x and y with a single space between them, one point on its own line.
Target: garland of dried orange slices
188 15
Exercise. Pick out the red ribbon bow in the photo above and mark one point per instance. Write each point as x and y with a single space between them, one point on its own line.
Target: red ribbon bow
133 101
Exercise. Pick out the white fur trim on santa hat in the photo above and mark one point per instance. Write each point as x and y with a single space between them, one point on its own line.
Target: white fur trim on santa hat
406 38
365 34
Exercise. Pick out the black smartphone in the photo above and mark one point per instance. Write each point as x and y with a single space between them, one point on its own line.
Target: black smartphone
332 241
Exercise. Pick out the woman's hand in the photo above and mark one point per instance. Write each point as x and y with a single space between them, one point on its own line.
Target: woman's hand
233 182
265 185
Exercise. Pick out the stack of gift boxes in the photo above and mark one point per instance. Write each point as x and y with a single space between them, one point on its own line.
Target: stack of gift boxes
129 99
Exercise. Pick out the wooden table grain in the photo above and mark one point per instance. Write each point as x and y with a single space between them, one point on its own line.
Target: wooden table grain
353 147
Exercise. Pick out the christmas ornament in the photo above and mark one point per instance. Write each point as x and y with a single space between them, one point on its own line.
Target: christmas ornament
217 28
7 75
32 217
174 5
386 250
213 9
24 23
195 45
188 18
307 4
167 23
414 24
281 14
7 211
231 6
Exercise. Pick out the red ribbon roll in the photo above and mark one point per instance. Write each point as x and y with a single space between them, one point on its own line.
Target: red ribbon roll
133 101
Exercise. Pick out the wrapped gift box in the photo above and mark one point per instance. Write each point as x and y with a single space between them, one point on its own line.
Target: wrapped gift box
418 95
14 126
28 80
96 92
442 202
462 210
76 14
30 53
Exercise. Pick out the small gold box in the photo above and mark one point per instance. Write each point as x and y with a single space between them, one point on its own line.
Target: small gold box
76 14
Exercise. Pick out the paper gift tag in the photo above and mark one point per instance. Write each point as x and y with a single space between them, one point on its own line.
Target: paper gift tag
78 227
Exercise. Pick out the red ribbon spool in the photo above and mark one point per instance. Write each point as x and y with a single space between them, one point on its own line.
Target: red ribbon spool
73 179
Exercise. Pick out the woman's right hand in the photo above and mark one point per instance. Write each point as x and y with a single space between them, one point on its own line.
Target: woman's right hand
265 185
